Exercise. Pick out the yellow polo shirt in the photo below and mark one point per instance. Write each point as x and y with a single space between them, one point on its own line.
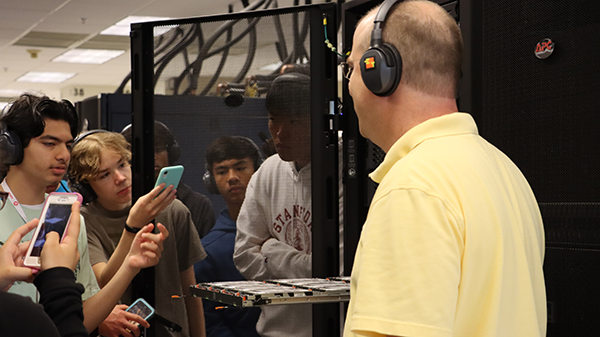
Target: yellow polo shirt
453 244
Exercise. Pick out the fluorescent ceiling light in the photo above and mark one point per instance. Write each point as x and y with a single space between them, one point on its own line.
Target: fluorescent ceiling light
123 27
88 56
45 77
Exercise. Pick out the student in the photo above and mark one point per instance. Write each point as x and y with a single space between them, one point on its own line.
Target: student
274 225
100 166
166 153
453 243
60 295
35 142
230 163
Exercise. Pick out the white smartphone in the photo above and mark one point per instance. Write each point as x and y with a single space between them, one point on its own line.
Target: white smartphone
55 216
170 175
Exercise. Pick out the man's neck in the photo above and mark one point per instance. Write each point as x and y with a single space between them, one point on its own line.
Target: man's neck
410 108
26 190
233 209
300 164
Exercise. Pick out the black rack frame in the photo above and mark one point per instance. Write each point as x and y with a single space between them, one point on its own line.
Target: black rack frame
326 317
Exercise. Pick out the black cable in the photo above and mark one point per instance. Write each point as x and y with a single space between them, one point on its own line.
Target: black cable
215 77
237 39
250 57
280 45
179 79
197 64
157 52
166 59
177 32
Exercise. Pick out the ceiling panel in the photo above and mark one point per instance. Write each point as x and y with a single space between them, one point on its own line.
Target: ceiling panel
42 5
49 39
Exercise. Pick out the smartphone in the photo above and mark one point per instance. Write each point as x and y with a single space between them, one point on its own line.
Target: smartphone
170 175
55 216
141 308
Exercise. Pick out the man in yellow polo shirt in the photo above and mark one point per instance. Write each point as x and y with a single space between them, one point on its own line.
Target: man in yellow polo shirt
453 244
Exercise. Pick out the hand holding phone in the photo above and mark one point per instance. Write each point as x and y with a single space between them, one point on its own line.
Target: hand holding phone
121 323
170 175
55 217
63 253
150 205
11 258
141 308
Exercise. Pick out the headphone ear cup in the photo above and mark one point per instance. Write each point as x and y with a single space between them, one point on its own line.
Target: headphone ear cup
209 183
174 153
381 69
87 192
11 150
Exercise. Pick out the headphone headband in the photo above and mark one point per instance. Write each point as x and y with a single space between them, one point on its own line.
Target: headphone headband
382 13
85 134
83 188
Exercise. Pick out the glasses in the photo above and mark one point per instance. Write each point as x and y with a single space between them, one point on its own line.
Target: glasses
347 69
3 197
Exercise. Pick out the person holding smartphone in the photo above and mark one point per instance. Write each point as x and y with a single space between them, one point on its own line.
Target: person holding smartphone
36 134
62 313
100 169
167 153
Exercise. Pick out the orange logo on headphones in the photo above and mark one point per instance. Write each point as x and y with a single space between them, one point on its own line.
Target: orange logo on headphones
370 62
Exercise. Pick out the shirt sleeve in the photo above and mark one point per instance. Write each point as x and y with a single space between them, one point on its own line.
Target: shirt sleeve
407 268
97 254
189 247
84 272
205 270
285 261
252 232
206 216
61 297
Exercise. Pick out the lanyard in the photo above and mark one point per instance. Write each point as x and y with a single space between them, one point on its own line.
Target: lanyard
13 200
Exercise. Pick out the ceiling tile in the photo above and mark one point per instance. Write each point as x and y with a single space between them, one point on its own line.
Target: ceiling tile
48 39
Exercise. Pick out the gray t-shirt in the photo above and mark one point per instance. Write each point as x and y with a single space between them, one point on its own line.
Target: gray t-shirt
180 251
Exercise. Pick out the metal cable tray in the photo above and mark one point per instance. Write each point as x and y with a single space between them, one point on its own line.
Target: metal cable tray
275 292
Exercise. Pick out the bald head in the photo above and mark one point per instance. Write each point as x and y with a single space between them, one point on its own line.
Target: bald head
428 40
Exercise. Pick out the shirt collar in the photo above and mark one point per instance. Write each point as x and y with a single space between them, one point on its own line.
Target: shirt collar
447 125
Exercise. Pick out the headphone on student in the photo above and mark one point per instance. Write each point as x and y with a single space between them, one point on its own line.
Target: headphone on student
381 64
82 187
209 180
173 149
10 147
10 144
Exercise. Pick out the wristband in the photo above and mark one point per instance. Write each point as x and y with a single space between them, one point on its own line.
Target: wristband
131 229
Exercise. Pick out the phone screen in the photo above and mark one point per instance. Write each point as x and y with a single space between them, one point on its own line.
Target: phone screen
141 309
56 219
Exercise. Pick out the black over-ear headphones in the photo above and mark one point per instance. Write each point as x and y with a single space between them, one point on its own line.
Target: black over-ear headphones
10 144
10 148
173 149
381 64
209 180
82 187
